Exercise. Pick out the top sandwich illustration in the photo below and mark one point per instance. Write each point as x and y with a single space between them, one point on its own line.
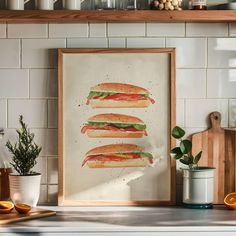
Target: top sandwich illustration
118 95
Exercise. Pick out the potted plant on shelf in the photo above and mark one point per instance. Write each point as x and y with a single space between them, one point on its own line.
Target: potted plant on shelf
24 186
198 182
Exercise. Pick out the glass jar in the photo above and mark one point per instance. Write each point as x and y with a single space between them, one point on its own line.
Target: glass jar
143 4
105 4
199 5
127 4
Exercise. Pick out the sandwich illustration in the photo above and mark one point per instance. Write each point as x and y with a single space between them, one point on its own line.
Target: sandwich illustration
114 126
117 156
118 95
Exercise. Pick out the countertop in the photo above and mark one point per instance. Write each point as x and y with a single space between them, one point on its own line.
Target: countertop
128 221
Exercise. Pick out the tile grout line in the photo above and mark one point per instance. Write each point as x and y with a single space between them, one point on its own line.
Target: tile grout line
21 53
29 83
48 34
7 111
7 30
88 33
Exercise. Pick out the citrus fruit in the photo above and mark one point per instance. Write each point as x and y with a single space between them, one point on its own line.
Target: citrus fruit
6 207
22 208
230 200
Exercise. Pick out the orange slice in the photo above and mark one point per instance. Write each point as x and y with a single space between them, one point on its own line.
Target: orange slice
230 201
22 208
6 207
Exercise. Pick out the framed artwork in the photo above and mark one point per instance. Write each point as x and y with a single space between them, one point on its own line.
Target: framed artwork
116 111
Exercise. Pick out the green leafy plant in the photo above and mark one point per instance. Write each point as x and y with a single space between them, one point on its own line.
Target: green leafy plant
25 151
183 153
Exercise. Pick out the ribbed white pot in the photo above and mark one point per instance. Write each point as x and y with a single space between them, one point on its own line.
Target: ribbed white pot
25 189
198 185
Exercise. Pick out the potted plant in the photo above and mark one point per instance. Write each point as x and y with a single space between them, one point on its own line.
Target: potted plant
198 182
24 186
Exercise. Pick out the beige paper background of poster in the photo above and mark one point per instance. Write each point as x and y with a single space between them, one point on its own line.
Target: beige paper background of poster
80 73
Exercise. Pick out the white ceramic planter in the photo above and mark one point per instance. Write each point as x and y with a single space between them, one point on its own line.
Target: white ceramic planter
198 186
25 189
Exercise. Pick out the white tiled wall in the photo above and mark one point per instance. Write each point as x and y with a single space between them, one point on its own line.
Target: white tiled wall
206 76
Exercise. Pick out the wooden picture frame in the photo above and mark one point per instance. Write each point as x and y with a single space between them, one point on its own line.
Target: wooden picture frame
74 68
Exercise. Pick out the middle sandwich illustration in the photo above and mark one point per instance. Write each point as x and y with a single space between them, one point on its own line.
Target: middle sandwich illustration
117 156
114 126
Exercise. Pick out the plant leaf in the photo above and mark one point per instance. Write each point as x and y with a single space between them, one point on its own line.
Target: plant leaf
177 132
197 157
191 158
176 150
185 162
176 153
185 146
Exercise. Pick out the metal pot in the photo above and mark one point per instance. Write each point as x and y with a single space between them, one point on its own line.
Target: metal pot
198 185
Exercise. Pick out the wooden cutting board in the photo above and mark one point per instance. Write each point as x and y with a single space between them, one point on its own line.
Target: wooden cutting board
218 146
35 213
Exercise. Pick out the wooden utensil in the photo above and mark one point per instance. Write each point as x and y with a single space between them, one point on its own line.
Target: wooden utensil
218 146
35 213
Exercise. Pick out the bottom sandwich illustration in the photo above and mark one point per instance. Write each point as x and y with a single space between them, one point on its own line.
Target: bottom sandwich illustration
117 156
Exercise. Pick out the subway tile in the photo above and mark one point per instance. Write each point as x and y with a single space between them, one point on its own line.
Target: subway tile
68 30
52 194
43 83
97 30
190 52
232 29
206 29
33 111
116 42
3 113
197 111
41 53
166 29
221 52
87 43
145 42
52 113
52 170
232 113
9 134
14 83
126 29
187 80
43 197
3 30
221 83
41 167
180 112
27 31
47 139
10 53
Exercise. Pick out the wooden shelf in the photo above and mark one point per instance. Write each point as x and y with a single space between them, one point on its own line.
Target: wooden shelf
65 16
